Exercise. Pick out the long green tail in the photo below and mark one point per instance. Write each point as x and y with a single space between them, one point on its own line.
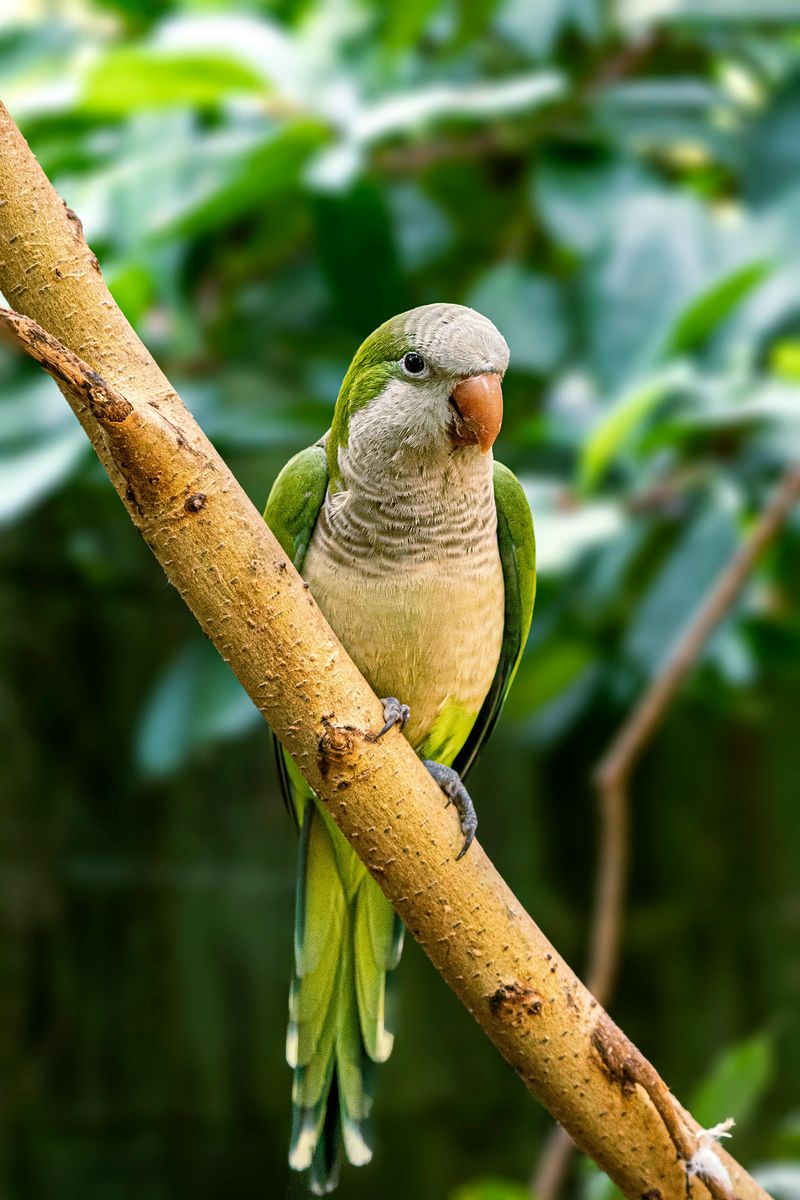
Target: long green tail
347 937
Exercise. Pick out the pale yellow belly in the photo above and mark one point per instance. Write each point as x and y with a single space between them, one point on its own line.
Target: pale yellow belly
430 636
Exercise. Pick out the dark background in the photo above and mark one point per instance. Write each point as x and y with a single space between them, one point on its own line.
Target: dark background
264 184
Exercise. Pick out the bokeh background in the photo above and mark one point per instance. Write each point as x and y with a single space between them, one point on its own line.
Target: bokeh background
618 187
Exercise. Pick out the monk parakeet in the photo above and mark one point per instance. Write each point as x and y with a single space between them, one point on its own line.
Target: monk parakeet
419 551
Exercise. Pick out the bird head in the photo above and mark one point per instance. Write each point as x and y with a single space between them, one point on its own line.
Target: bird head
428 380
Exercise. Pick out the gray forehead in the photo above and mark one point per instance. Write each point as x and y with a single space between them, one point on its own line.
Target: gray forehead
457 338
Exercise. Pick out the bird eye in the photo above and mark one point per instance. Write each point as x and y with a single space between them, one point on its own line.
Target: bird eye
413 363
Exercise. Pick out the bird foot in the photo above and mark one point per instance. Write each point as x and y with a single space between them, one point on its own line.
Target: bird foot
450 783
394 713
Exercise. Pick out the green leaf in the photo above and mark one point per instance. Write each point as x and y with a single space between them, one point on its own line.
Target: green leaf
31 410
415 112
475 18
664 252
41 444
735 1085
491 1189
405 22
594 1184
422 229
170 179
617 426
678 588
564 532
784 360
271 171
130 79
640 12
197 701
32 57
544 676
780 1179
132 286
699 320
29 475
539 27
529 311
480 101
768 404
579 199
680 94
771 155
686 119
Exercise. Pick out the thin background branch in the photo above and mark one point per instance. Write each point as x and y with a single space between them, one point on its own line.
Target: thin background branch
611 778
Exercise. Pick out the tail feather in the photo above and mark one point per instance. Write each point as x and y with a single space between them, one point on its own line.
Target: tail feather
307 1122
347 938
319 928
373 939
327 1156
319 891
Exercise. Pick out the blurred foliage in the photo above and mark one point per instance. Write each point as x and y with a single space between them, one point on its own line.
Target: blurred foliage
618 187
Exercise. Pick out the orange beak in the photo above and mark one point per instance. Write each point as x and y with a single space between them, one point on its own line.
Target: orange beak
478 404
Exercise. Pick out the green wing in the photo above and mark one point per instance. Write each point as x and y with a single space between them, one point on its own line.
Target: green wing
348 938
295 500
517 547
292 509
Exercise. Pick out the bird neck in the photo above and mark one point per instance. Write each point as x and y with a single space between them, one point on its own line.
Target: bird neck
425 505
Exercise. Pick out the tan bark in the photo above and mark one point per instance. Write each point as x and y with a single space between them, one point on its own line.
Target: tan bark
231 572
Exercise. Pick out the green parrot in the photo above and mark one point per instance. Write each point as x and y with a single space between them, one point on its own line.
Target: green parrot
420 552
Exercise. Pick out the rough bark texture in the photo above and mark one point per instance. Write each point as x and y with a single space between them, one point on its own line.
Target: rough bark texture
229 569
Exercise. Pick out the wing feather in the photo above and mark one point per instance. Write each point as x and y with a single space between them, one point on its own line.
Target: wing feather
291 512
295 500
517 546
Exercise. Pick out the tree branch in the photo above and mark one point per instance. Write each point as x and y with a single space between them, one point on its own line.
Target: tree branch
613 772
218 552
615 768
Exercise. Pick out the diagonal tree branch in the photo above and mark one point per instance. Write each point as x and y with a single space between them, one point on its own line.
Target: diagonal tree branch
231 572
613 773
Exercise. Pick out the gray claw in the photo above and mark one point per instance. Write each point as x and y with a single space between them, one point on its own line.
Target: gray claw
394 713
450 783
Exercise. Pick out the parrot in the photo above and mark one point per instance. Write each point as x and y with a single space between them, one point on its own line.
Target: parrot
419 549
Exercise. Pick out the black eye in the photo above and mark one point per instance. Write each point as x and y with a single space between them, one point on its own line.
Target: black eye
414 363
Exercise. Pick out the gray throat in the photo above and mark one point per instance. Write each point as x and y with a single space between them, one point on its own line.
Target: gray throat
411 509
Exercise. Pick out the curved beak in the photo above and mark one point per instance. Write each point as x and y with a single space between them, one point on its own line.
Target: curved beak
478 405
